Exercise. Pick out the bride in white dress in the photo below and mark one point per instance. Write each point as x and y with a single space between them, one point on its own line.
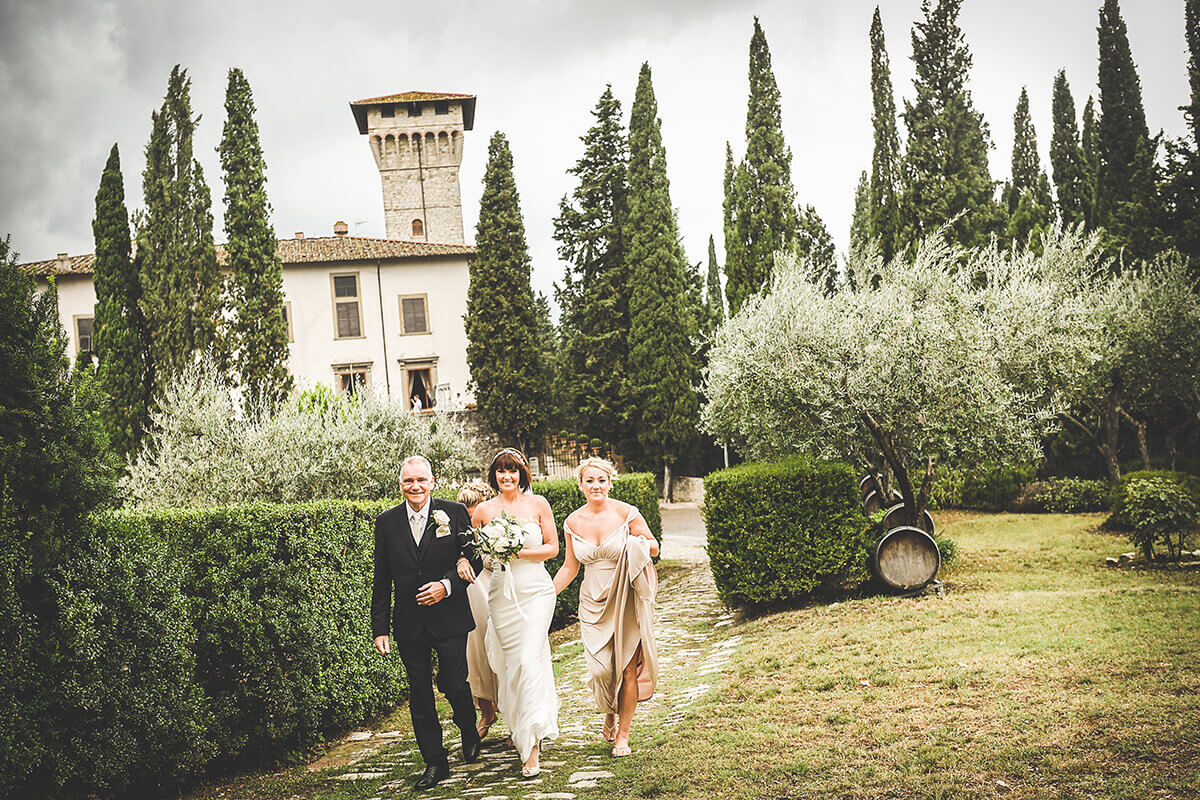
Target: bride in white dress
521 603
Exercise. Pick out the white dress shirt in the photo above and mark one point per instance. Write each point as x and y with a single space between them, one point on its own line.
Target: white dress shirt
417 520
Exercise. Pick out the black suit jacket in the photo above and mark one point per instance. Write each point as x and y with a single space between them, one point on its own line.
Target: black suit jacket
402 566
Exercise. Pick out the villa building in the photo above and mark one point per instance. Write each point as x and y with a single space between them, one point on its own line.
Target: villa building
380 312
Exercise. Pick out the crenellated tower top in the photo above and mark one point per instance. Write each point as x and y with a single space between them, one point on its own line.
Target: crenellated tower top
416 138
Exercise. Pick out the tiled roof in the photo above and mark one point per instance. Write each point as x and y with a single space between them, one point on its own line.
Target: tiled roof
411 97
362 248
291 251
71 265
359 107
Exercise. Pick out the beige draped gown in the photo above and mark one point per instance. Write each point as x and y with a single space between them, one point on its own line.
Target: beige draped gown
616 612
480 674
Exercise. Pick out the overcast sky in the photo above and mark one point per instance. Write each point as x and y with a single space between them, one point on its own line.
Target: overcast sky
77 76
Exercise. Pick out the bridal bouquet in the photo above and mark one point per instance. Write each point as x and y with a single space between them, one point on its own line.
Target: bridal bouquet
501 539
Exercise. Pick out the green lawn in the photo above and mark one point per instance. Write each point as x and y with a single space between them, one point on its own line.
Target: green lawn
1040 673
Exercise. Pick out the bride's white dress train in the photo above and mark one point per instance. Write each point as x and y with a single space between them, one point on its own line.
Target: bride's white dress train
521 603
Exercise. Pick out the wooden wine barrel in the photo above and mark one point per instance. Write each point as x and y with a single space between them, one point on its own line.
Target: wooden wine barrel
894 518
871 502
906 558
865 487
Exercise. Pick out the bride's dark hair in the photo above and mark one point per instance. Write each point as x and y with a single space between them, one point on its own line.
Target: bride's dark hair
510 458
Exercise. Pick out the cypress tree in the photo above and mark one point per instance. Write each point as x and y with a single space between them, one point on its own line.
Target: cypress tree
120 335
1067 159
860 222
176 259
735 250
766 220
1182 185
1028 193
814 245
503 350
594 295
258 341
1125 179
884 206
1091 156
664 406
945 166
714 300
55 468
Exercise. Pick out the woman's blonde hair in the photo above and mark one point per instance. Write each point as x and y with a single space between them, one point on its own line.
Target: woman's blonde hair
602 464
474 493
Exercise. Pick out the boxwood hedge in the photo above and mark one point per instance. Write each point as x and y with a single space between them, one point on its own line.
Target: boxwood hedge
777 531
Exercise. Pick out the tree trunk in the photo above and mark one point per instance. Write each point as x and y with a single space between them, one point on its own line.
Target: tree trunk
1139 427
1110 421
667 494
896 463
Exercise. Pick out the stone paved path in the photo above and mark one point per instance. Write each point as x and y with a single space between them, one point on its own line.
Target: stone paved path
695 641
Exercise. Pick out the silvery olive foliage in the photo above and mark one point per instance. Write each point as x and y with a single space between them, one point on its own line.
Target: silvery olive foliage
952 357
203 449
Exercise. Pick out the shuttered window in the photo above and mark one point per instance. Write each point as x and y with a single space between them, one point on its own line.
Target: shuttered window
83 334
347 310
414 316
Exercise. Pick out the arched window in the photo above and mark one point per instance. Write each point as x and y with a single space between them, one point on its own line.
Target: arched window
418 228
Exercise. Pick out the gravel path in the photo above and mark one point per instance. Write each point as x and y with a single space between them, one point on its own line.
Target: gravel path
695 641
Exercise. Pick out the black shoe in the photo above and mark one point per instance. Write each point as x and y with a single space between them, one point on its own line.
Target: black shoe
433 776
470 750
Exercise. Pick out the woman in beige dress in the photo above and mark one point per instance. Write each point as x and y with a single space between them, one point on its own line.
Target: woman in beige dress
480 674
616 601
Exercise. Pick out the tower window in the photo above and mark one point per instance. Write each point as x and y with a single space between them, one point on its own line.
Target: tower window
387 111
441 107
418 228
414 109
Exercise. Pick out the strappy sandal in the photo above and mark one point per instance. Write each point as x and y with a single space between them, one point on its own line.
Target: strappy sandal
621 750
609 734
483 729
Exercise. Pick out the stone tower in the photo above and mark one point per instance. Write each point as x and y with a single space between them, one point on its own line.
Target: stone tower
417 140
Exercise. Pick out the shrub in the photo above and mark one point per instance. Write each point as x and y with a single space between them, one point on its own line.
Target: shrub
1157 508
947 489
1120 520
993 487
1064 496
777 531
259 627
114 707
318 445
563 495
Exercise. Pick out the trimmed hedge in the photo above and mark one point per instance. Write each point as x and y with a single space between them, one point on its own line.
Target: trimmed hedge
777 531
194 641
989 487
1064 496
277 600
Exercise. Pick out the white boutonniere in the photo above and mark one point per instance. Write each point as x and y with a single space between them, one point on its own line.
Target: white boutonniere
443 523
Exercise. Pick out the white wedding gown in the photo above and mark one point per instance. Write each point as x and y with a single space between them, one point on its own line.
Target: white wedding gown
521 604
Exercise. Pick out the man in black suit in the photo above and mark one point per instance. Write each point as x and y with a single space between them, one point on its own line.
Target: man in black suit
417 546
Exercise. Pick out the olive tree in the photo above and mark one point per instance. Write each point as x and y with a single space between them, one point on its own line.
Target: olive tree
951 357
204 449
